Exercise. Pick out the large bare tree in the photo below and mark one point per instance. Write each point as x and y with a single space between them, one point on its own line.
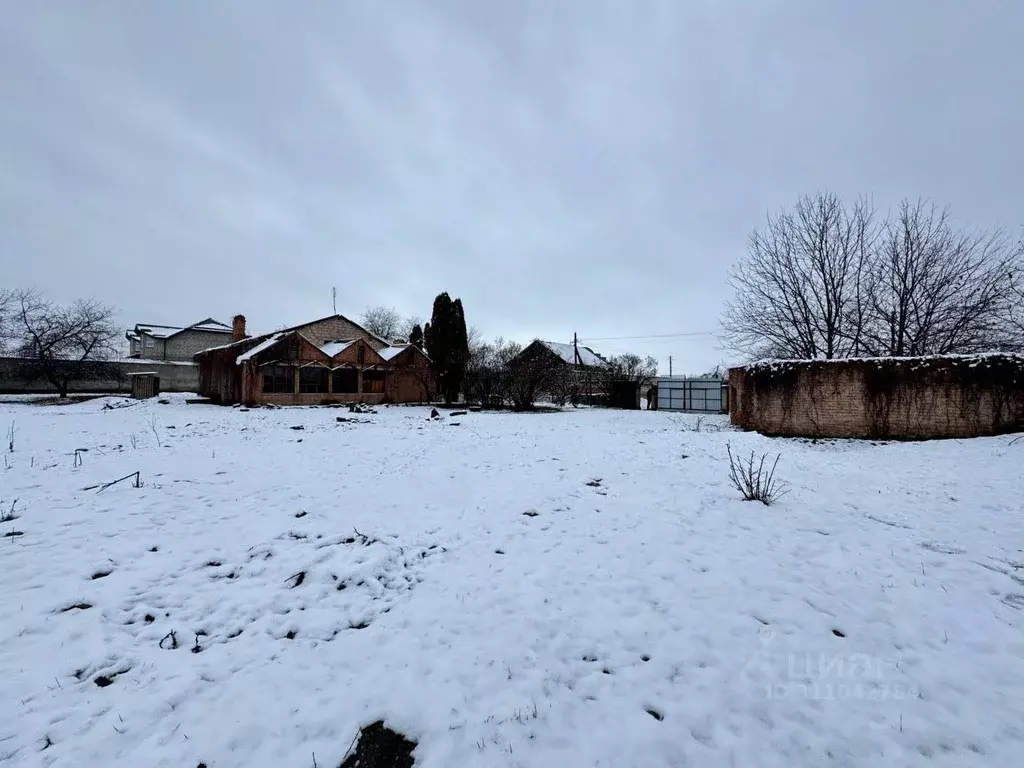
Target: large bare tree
384 322
64 344
935 289
798 290
830 281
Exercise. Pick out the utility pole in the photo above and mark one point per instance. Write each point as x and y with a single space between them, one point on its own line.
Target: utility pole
670 365
576 348
334 299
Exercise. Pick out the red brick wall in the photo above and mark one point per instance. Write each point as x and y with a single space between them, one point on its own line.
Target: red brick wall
410 379
901 398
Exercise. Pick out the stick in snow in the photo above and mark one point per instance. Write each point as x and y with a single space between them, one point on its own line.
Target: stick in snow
136 484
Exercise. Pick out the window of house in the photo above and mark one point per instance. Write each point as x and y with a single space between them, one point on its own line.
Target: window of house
149 342
346 381
278 379
373 382
313 379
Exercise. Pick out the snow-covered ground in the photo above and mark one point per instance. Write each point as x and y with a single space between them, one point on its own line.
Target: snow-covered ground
571 589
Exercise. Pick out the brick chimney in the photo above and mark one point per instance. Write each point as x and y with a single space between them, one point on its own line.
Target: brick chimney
238 327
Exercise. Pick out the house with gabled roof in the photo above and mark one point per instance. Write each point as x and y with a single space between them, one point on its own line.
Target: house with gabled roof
152 341
329 360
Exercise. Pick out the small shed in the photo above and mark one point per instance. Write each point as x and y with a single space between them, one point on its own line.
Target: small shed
145 384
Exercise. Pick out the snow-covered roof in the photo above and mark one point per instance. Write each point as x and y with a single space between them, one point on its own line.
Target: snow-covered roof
389 352
567 352
263 346
332 348
158 331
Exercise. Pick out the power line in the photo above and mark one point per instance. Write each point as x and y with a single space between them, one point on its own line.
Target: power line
650 336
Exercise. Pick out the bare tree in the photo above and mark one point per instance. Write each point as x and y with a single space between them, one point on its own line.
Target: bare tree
487 372
6 324
532 372
406 326
797 291
829 281
382 321
934 289
64 344
1015 309
630 367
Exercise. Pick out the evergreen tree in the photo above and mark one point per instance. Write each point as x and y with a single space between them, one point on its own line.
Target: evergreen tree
448 345
416 336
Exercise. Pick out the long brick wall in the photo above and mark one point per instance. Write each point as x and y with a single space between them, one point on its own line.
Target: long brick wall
898 398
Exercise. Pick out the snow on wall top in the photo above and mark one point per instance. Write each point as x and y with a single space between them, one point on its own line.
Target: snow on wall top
972 359
568 353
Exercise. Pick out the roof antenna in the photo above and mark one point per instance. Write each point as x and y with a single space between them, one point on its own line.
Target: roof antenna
334 299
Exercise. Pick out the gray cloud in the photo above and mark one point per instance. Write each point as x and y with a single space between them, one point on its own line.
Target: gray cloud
571 166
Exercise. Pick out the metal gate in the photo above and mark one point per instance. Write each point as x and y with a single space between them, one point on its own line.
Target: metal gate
701 395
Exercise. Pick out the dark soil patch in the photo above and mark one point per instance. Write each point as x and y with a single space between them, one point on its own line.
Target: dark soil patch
101 575
13 534
499 552
380 747
595 483
645 657
213 564
838 633
77 606
303 513
531 513
152 549
655 714
291 634
149 618
297 427
299 578
359 625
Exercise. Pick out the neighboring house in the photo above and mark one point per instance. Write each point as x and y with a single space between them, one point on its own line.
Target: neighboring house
167 342
573 354
562 372
328 360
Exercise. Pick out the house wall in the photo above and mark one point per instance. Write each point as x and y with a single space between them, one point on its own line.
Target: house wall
899 398
334 329
184 345
147 352
410 379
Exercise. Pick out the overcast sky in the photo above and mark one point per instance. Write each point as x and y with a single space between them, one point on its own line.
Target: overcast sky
561 166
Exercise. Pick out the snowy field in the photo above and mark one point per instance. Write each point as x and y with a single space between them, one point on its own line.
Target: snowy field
569 589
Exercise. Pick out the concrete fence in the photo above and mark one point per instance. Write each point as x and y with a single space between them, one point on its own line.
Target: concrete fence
899 398
174 377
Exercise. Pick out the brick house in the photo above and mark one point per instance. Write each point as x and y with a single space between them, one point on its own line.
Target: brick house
149 341
328 360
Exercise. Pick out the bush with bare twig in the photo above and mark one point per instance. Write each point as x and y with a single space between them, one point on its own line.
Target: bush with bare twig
752 480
